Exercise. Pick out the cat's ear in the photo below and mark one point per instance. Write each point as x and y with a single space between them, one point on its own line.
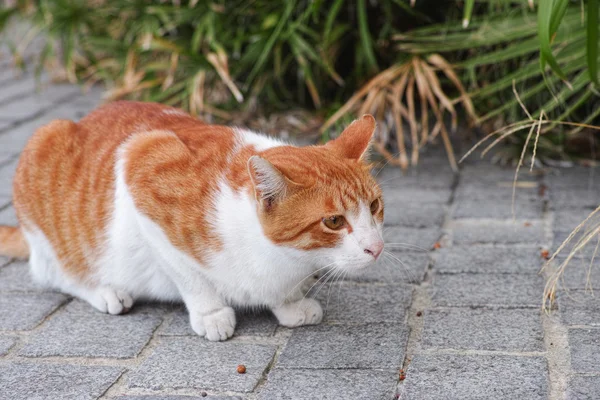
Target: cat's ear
270 184
355 140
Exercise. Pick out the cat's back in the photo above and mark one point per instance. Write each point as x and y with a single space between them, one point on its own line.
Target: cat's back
65 181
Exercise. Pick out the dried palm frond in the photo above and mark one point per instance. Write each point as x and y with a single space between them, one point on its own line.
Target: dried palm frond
396 90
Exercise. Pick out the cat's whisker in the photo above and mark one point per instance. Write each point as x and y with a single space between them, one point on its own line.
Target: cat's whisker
306 277
339 275
328 273
410 275
329 278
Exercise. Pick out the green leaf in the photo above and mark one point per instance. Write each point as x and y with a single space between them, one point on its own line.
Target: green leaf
592 40
545 15
365 36
468 10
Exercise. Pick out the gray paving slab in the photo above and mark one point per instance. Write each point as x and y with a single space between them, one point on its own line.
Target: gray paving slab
574 199
587 251
15 277
26 311
488 290
402 239
568 219
198 364
7 171
580 273
248 324
579 307
579 178
28 381
420 177
91 334
374 345
415 215
355 304
329 384
488 259
167 397
8 217
474 231
501 208
17 89
395 196
585 349
6 343
397 267
28 107
449 377
518 330
583 387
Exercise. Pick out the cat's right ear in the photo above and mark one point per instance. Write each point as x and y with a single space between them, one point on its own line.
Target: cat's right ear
270 184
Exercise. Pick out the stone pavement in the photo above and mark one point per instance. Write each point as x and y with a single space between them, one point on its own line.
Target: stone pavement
453 312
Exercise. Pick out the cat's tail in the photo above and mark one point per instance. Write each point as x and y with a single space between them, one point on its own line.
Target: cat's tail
12 243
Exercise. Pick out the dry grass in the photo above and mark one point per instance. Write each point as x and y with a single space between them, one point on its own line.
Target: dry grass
398 89
590 226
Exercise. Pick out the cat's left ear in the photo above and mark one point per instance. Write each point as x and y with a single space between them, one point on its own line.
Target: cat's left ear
355 140
270 184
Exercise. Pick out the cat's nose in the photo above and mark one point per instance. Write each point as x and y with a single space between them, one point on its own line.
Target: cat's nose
375 249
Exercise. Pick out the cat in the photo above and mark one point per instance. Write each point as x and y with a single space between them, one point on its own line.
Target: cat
143 201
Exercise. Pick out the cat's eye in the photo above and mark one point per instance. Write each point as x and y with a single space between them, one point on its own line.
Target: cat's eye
375 205
336 222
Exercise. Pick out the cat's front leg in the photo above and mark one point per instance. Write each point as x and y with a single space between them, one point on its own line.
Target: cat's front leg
298 311
209 315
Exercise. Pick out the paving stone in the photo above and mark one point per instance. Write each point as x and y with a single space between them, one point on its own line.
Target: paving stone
475 377
579 307
396 267
7 171
498 208
6 343
583 388
15 139
574 199
8 217
487 259
17 89
469 231
15 277
415 215
27 381
400 239
491 290
329 384
5 125
574 178
568 219
397 197
579 273
374 345
355 304
491 175
30 106
483 329
248 324
26 311
198 364
585 349
166 397
587 251
73 333
420 177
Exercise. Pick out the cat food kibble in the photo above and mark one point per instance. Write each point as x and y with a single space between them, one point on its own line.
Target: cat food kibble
241 369
545 254
437 245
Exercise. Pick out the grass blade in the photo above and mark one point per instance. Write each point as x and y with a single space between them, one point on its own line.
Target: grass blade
592 40
545 19
468 10
365 36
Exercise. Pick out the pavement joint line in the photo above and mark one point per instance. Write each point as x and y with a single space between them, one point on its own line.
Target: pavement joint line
463 352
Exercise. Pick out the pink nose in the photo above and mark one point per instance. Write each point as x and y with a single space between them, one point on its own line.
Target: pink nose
375 249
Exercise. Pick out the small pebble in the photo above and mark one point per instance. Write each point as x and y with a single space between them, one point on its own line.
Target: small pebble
419 313
203 394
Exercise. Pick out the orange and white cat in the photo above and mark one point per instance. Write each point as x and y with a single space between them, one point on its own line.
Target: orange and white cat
142 201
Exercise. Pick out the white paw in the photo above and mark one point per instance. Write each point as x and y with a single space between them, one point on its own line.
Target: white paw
216 326
302 312
112 301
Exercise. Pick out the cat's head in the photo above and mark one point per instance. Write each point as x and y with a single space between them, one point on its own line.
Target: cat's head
323 199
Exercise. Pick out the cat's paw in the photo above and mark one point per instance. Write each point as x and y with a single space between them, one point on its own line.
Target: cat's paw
216 326
111 301
302 312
